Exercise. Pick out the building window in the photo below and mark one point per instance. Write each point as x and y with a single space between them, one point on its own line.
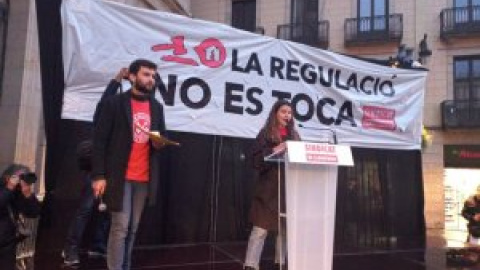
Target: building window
372 15
466 10
466 3
304 12
304 24
244 14
467 78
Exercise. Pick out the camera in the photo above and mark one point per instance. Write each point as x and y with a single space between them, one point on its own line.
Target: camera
29 178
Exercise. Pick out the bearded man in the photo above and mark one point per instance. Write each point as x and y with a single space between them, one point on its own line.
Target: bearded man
125 169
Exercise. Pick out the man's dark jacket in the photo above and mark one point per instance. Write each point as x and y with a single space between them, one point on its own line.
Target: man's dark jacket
112 143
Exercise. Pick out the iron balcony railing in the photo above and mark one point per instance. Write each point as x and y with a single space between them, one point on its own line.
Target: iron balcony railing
460 21
313 34
460 114
376 29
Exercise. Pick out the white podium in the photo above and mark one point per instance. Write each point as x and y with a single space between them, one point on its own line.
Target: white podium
311 189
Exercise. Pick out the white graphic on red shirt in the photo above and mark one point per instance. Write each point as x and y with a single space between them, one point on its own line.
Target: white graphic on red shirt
141 121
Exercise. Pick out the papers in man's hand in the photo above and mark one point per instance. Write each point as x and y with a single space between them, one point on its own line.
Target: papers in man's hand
158 138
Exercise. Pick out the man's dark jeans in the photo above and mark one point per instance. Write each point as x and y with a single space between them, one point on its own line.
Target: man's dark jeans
88 205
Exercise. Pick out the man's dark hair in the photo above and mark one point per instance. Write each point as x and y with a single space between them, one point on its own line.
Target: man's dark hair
137 64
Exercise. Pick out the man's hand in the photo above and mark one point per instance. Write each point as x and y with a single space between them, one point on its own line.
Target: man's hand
476 217
122 74
99 187
26 188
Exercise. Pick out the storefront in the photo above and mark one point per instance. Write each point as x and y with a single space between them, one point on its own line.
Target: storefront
461 178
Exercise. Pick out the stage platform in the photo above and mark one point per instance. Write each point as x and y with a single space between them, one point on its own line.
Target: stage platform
229 256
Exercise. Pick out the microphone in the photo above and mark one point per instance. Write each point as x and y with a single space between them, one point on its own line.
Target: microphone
102 207
334 135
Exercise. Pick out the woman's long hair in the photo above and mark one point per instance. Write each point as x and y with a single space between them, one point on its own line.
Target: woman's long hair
271 125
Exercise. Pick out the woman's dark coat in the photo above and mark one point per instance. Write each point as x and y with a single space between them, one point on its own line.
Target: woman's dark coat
264 209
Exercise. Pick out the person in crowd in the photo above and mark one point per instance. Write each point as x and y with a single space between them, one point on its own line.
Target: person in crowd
471 212
88 203
125 159
16 197
264 212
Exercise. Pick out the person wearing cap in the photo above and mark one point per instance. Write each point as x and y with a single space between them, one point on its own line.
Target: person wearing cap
16 197
471 212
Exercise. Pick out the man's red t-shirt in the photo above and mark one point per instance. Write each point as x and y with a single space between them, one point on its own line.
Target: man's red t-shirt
138 168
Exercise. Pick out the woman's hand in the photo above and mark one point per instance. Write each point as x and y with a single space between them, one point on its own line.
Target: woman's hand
280 148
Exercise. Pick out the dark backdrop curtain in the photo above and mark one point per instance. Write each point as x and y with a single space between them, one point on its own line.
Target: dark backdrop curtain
50 35
207 183
380 201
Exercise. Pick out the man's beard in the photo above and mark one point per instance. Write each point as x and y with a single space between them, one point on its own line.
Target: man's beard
142 88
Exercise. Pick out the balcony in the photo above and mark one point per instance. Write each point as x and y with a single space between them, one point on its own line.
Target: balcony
374 30
460 22
460 114
316 34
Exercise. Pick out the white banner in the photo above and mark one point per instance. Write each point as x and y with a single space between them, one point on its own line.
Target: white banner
221 80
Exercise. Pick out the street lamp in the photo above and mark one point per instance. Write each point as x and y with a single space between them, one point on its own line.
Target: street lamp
424 50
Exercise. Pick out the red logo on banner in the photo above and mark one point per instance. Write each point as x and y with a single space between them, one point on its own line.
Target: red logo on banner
211 52
378 118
